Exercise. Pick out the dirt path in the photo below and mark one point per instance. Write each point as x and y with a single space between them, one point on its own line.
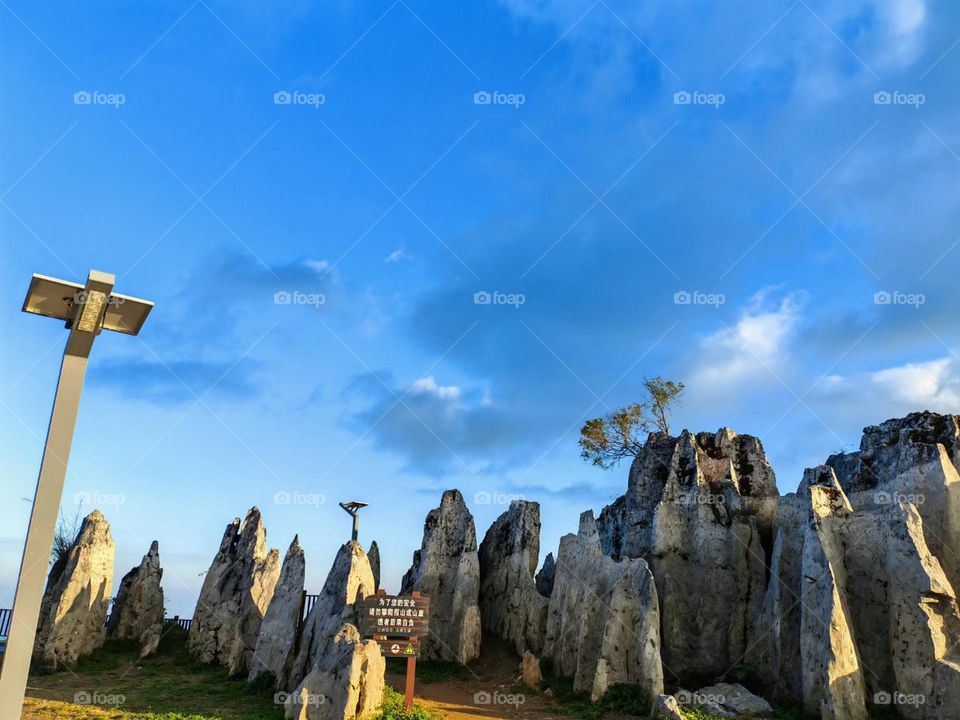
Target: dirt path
489 688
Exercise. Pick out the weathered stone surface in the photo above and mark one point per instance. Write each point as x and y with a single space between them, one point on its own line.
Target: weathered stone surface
530 674
603 621
665 707
278 631
447 569
345 683
545 576
138 607
510 606
75 604
235 594
735 700
374 555
830 663
705 536
350 579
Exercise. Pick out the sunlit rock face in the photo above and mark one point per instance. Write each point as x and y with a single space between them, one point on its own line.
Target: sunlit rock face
273 654
446 568
77 598
603 620
236 591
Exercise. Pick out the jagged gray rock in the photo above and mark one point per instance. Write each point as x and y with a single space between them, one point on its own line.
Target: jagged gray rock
446 568
665 707
374 555
278 631
545 576
510 606
603 621
350 579
345 683
138 607
74 607
704 535
235 594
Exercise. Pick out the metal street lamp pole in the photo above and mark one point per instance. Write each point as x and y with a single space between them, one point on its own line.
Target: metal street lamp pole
86 309
351 509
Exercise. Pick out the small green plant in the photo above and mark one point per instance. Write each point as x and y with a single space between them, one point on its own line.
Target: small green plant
392 708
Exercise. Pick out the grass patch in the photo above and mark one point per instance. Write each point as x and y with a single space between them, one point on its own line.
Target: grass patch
618 700
392 708
433 671
170 686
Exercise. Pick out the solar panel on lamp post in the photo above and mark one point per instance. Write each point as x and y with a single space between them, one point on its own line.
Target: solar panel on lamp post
86 309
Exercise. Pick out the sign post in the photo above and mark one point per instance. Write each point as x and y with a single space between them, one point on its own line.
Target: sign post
404 617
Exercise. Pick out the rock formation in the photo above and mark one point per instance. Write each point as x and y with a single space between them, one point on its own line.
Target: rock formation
336 675
604 630
350 579
75 604
860 609
703 535
138 608
374 555
278 631
530 674
510 606
235 594
545 576
446 568
346 682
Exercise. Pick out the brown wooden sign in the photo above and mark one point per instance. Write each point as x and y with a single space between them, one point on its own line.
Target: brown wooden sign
393 615
399 648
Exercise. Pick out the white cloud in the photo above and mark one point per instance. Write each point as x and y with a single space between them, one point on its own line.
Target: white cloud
931 385
397 256
318 266
756 344
428 386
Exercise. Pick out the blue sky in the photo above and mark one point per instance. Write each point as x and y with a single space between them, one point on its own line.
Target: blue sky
596 164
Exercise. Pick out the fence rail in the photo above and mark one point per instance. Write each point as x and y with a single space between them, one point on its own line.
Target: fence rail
185 623
5 615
